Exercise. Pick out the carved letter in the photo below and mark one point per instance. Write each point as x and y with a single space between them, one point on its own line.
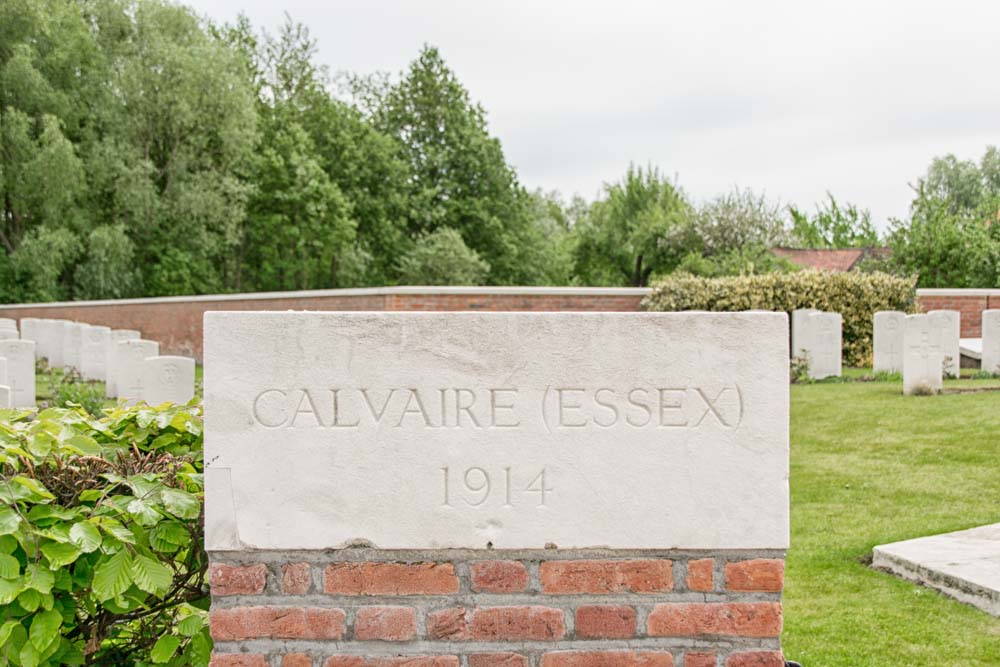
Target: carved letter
495 405
460 408
563 407
256 408
677 404
611 407
306 396
710 406
419 410
642 406
377 416
336 412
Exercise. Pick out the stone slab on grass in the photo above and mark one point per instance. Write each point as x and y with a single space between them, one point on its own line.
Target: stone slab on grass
964 565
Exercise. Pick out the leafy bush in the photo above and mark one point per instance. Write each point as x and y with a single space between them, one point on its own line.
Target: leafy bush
856 296
442 258
69 389
101 549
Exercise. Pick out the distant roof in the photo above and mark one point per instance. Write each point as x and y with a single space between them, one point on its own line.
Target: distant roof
827 259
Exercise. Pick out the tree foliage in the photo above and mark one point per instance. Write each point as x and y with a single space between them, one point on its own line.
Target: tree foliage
833 226
641 226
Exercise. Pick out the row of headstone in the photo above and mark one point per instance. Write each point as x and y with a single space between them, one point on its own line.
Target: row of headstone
923 347
130 367
817 337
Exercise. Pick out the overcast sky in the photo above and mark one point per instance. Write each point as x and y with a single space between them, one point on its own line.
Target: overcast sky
794 98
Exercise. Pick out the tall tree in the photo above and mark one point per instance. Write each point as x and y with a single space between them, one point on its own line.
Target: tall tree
458 176
833 226
640 227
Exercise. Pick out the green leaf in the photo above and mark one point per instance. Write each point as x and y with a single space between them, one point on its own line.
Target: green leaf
10 567
45 629
7 544
30 599
181 503
90 495
60 555
40 578
85 536
85 444
190 626
168 536
35 487
164 649
30 656
111 577
10 589
115 529
150 575
5 631
9 520
144 513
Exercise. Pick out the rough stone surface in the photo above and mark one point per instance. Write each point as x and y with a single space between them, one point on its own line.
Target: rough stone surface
923 356
129 358
948 324
167 380
964 565
20 371
991 341
888 341
478 430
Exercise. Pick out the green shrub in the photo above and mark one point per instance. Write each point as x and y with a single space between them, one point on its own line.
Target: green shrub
69 389
101 549
856 296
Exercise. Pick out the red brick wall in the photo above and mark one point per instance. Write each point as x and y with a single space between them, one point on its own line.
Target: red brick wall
176 322
557 608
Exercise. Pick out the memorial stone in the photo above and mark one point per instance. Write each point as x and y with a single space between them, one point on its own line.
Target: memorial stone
129 358
8 333
819 341
72 344
167 379
29 330
887 341
991 341
59 331
5 397
19 356
922 355
415 459
798 329
949 326
117 336
94 352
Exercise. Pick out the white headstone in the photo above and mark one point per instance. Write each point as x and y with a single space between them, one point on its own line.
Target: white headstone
20 377
94 352
798 329
991 341
29 329
167 379
5 397
59 330
949 324
72 344
887 341
8 323
462 430
117 336
922 355
820 342
6 333
129 358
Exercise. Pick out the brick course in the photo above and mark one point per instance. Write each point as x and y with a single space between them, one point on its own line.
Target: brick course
551 608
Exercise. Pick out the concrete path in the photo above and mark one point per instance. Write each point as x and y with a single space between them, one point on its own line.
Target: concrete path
964 564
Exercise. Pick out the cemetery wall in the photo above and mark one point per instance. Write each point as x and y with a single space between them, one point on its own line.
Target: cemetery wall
177 321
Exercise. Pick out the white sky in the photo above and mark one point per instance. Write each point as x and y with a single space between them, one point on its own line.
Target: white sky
794 98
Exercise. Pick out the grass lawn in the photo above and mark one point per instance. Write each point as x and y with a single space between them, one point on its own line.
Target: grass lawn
870 466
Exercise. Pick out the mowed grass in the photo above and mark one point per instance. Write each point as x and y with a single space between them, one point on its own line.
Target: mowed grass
870 466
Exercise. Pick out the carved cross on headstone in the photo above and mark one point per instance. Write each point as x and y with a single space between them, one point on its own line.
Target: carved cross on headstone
924 349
